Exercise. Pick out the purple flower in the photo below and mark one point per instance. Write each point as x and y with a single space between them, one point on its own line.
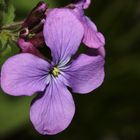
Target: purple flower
25 74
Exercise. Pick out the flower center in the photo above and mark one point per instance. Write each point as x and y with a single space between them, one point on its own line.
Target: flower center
55 71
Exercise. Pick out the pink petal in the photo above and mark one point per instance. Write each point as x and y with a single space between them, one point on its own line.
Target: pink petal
92 38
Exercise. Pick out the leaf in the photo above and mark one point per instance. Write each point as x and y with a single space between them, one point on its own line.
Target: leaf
10 50
9 14
3 40
7 46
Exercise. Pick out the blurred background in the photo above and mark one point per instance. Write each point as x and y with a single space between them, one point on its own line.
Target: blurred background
112 112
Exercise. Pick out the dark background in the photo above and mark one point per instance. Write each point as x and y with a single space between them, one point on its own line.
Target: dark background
112 112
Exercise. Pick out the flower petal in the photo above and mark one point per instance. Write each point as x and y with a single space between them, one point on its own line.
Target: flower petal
63 33
101 51
24 74
53 112
85 74
82 3
92 38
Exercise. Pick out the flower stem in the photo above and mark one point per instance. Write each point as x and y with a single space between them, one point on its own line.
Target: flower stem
11 26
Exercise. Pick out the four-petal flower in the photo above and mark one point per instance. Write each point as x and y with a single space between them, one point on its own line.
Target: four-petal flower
25 74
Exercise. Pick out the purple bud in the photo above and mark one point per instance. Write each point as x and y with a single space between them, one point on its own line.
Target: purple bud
36 15
27 47
37 40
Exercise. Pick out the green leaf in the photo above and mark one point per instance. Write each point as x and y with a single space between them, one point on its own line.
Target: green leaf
7 12
4 35
11 49
7 46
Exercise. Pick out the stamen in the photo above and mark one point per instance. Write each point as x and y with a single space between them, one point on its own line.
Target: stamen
55 72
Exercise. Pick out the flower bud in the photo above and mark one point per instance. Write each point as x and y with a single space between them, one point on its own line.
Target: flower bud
27 47
36 15
37 40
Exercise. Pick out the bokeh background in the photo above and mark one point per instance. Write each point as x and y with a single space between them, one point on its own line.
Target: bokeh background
112 112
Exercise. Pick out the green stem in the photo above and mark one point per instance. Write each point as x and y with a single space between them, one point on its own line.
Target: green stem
11 26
